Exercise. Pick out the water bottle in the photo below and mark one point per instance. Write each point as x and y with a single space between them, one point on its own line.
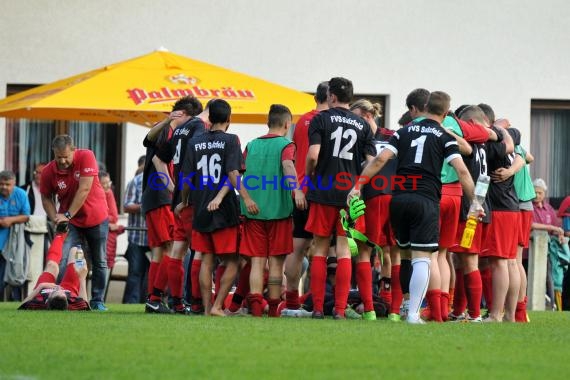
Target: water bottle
474 210
79 258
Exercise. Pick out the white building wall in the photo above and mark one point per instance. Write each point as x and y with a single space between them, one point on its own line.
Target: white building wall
500 52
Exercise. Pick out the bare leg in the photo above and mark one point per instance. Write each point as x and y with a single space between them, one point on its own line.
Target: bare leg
444 271
294 263
276 275
513 292
522 273
500 273
231 262
206 281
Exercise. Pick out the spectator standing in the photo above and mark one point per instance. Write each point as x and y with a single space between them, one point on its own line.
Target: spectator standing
135 288
14 209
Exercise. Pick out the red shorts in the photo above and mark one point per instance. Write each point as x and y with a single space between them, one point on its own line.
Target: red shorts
324 220
220 242
45 277
449 208
478 239
376 222
160 225
70 280
183 225
503 235
264 238
524 230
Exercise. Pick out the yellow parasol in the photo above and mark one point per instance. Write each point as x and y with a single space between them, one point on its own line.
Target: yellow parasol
141 90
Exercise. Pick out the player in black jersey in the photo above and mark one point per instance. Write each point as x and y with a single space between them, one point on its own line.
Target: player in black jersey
502 238
157 201
210 173
421 148
468 285
339 141
172 154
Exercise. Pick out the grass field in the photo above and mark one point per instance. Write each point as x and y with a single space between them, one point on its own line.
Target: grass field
125 343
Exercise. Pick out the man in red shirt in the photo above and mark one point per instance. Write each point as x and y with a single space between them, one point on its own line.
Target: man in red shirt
73 177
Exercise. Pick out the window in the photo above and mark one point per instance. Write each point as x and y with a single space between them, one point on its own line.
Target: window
550 139
28 142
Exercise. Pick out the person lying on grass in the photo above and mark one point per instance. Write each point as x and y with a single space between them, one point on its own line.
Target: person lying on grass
70 294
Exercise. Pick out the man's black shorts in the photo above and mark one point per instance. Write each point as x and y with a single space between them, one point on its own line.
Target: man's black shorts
300 218
415 221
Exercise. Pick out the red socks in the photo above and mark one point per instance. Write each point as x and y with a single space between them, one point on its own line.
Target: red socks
161 279
55 249
273 307
242 288
487 279
364 282
152 271
255 304
243 281
397 295
342 287
318 281
434 303
444 306
520 313
195 278
459 298
474 290
175 277
292 300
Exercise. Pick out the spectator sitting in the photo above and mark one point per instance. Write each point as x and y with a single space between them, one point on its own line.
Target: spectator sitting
544 215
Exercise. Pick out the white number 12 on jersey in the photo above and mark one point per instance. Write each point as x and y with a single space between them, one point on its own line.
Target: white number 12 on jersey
337 136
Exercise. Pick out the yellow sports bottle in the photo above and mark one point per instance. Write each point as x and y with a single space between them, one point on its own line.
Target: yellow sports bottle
474 211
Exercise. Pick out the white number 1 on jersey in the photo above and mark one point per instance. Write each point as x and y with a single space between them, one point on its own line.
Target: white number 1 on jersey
419 142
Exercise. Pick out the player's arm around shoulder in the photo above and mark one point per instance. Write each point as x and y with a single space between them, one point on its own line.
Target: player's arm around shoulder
464 147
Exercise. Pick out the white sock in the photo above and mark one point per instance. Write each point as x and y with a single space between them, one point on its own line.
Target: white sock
418 285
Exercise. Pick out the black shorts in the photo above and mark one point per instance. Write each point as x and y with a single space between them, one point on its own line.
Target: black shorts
415 221
300 218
